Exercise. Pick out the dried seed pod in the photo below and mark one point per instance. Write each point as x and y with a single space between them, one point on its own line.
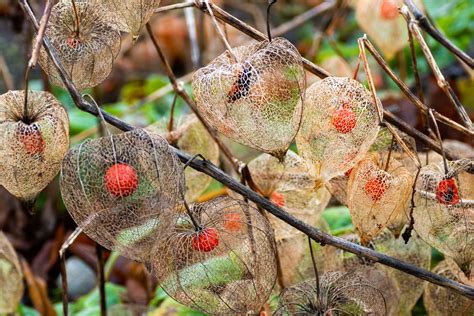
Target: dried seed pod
124 190
382 23
192 137
444 211
339 124
226 266
417 252
11 277
377 197
130 15
31 147
290 185
346 293
256 100
440 301
85 43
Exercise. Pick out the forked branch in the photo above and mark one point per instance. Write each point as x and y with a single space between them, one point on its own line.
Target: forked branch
216 173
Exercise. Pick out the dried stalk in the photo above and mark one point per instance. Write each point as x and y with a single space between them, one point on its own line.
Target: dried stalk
216 173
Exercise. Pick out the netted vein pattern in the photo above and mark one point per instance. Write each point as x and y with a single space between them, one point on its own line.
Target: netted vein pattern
226 267
256 100
377 197
417 252
340 294
339 124
441 301
11 277
444 212
87 48
191 137
31 149
383 24
290 185
130 15
124 190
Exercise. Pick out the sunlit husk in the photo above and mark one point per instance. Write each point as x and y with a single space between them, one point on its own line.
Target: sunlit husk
11 277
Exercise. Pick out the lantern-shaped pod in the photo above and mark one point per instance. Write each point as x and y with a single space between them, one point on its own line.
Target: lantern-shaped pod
377 197
339 124
338 292
255 100
444 211
440 301
129 15
191 137
32 146
290 185
124 190
11 277
382 22
84 40
223 265
416 252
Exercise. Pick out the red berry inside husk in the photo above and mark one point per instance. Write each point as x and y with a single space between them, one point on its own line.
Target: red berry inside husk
32 140
447 192
344 120
232 221
278 199
206 240
389 9
375 188
121 180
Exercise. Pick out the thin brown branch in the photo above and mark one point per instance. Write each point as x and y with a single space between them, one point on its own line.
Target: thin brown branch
176 6
6 74
183 94
216 173
434 33
39 37
101 279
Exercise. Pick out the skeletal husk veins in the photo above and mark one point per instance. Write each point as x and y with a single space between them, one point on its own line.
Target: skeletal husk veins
446 227
387 29
441 301
11 277
255 100
339 292
86 44
129 15
31 147
339 124
123 190
191 136
378 197
235 275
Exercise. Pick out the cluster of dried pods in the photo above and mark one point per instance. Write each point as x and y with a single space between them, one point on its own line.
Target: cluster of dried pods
128 191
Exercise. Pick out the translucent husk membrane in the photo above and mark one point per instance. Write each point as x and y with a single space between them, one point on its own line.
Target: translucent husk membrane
416 252
378 198
87 55
32 148
256 100
129 209
235 275
11 277
339 124
440 301
384 25
130 15
448 228
340 293
191 137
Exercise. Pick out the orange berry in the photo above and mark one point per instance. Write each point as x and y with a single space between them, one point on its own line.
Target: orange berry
447 192
344 120
375 188
121 180
32 139
389 9
232 221
206 240
278 199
